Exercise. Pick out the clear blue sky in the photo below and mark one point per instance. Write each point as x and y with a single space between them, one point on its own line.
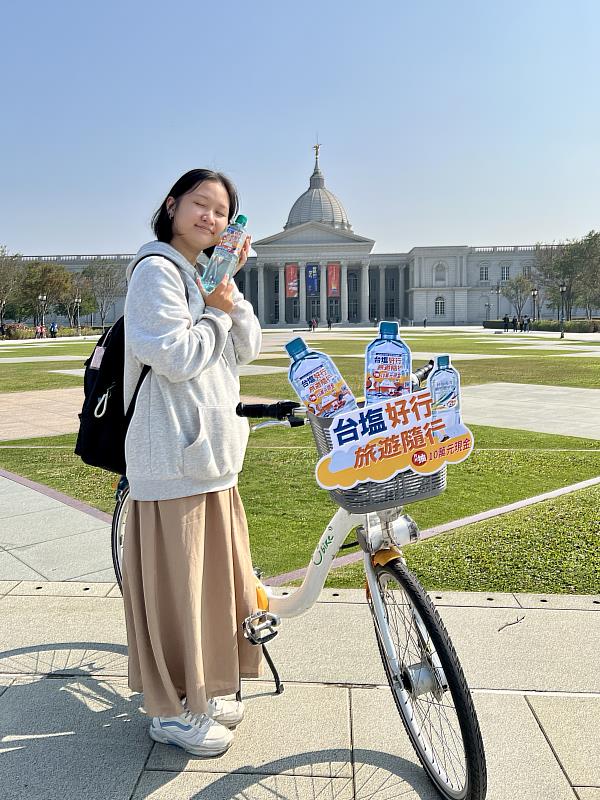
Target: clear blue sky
442 123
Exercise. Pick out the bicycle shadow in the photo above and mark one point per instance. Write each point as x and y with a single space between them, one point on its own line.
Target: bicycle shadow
70 727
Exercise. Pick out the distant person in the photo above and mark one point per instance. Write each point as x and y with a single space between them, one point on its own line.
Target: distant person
514 324
53 330
2 330
526 323
521 324
506 322
424 322
328 323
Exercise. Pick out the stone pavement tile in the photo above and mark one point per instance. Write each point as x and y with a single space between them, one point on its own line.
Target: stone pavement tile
41 526
8 487
101 576
115 591
588 794
215 786
70 557
71 739
332 643
12 568
520 764
61 589
5 682
572 725
6 586
482 599
22 504
547 650
560 601
304 731
57 635
342 596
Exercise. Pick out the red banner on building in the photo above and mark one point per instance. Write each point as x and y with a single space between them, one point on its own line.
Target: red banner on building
291 280
333 280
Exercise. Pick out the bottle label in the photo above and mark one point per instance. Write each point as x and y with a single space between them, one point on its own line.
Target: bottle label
323 393
231 242
387 375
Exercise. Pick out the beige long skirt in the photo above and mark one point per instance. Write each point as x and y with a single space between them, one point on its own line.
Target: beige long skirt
188 585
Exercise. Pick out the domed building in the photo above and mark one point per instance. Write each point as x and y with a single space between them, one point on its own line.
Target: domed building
318 268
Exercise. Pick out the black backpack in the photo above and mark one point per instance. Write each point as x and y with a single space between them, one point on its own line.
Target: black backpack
103 423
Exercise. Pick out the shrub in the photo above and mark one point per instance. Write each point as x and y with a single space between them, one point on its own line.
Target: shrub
16 330
73 332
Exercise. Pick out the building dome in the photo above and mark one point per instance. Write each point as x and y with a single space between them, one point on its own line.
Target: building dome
318 204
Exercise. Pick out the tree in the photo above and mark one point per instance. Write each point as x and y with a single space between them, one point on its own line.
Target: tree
107 284
518 291
11 271
45 278
81 289
588 283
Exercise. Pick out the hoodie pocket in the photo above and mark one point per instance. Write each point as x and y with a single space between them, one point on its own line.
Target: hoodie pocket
219 449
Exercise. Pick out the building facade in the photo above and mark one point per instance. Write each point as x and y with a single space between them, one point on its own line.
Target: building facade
318 268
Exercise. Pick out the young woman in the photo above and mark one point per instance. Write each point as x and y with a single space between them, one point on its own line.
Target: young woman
188 579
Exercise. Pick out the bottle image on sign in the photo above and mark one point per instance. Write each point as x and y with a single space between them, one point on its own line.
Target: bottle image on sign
444 387
387 365
317 381
226 254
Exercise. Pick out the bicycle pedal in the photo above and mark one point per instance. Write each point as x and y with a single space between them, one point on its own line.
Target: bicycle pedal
261 627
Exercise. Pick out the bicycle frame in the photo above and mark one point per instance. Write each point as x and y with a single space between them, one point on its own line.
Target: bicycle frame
292 605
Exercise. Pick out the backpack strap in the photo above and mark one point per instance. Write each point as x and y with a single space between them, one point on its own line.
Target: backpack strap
146 368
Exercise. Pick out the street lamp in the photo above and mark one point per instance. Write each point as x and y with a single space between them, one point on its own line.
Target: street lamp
42 301
498 292
563 289
77 306
487 311
534 294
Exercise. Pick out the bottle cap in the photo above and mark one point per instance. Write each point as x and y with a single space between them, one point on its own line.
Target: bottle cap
241 220
443 361
388 329
296 346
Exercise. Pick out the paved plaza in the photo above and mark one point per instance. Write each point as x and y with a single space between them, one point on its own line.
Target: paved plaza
70 728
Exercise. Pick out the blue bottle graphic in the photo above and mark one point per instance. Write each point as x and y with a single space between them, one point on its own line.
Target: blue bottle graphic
317 381
387 365
444 387
225 255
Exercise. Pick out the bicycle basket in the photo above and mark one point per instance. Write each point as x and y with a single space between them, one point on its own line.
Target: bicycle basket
406 487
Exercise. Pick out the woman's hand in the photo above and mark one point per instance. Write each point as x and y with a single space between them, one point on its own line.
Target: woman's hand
221 295
243 255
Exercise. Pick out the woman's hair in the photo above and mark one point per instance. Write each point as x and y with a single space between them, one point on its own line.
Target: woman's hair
163 226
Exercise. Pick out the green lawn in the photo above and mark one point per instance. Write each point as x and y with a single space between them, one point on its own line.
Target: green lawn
549 547
287 512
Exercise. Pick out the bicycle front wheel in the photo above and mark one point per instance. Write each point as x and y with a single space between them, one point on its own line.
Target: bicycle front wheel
117 535
428 685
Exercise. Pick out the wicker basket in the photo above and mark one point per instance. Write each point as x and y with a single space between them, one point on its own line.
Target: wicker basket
406 487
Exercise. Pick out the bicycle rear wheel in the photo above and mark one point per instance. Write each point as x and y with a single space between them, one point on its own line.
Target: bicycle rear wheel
117 535
428 685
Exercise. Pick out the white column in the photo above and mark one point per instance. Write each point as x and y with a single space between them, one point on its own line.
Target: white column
344 294
323 294
261 294
400 293
381 292
281 295
364 294
302 294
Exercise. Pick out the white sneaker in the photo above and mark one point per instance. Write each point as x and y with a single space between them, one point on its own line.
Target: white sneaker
227 712
195 733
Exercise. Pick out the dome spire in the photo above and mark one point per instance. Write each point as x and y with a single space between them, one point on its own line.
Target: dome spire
317 181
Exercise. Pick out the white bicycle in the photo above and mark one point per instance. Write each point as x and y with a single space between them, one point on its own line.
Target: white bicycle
422 668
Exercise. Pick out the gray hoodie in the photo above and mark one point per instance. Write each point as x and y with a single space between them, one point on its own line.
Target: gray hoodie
184 437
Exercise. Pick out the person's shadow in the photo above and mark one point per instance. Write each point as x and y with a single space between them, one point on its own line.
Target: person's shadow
71 728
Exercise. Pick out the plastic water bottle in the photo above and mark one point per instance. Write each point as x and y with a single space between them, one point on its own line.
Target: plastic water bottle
444 387
387 365
226 254
317 381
